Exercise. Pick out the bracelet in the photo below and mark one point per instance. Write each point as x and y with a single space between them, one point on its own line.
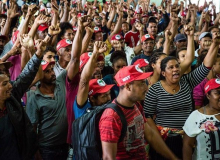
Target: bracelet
49 35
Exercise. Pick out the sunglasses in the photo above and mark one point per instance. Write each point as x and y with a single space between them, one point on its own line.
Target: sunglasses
100 18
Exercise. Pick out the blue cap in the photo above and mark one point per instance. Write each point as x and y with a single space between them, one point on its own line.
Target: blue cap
179 37
205 34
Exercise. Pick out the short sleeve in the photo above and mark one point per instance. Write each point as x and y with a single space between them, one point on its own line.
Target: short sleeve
191 127
110 126
32 108
78 112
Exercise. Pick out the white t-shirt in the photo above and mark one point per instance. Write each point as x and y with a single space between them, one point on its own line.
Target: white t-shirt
129 56
198 125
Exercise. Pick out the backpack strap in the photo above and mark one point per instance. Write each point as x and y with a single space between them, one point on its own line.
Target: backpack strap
122 117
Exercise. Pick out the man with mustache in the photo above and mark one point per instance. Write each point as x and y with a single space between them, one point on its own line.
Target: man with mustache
50 106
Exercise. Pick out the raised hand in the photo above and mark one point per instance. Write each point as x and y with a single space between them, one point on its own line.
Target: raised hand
41 47
207 17
84 21
32 9
189 30
16 49
54 6
26 41
2 24
12 11
99 47
54 30
139 26
174 17
41 19
216 38
168 35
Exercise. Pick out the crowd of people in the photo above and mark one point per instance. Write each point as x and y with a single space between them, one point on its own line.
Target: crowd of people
158 64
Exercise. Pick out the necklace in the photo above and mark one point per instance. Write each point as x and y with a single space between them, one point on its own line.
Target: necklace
173 88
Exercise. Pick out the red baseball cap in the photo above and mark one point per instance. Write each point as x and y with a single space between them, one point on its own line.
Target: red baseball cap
44 64
63 43
133 21
144 15
141 63
212 84
43 27
117 37
130 73
74 28
80 15
14 37
97 29
138 11
146 36
98 86
85 57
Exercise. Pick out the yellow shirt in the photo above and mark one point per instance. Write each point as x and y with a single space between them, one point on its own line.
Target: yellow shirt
109 47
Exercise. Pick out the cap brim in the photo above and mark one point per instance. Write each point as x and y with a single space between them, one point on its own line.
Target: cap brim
180 39
46 65
143 76
105 89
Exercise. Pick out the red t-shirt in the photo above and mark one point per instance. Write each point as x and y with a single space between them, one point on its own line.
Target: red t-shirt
110 126
132 38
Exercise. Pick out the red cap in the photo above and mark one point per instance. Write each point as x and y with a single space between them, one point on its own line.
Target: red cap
130 73
97 29
74 28
138 11
43 27
98 86
212 84
133 21
146 36
144 15
80 15
85 57
63 43
14 37
44 64
117 37
141 63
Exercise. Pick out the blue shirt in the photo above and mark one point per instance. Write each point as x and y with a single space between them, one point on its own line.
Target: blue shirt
78 112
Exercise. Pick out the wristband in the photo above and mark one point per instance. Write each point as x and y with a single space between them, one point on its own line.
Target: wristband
49 35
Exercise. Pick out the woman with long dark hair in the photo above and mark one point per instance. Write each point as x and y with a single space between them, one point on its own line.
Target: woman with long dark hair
170 98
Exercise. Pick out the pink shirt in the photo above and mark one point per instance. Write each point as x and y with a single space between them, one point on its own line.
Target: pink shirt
199 93
15 70
71 92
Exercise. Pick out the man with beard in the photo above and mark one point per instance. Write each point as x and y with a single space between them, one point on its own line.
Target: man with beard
147 42
50 106
132 84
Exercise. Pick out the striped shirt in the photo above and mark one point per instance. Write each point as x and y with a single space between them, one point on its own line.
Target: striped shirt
172 110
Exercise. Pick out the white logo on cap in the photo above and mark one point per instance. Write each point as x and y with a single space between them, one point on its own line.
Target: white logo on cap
43 62
138 69
96 28
89 54
68 41
147 36
118 37
101 82
217 81
206 88
146 61
58 45
126 78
